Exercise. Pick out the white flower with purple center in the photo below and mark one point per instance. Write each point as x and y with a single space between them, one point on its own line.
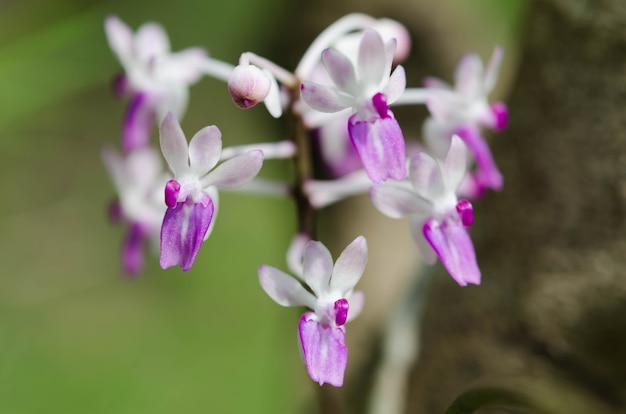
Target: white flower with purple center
463 112
192 197
138 178
327 290
367 87
438 219
156 79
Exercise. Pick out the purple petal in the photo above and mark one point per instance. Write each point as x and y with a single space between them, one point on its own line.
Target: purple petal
138 122
324 350
380 146
349 266
454 247
490 176
323 98
340 70
183 232
204 150
132 251
174 145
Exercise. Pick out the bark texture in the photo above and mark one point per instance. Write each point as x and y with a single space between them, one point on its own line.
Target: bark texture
552 245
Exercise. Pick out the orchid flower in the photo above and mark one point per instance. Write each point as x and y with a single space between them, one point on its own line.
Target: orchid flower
365 87
138 178
328 293
156 79
438 219
463 112
192 197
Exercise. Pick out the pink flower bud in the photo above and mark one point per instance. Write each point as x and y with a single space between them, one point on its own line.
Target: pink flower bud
248 85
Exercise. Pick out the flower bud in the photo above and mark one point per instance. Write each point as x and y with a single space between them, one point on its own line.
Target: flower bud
248 85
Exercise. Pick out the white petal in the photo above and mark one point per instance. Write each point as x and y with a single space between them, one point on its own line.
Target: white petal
437 137
114 164
204 150
396 202
324 98
284 289
120 38
174 145
426 177
355 305
349 267
144 166
493 67
235 171
468 79
455 164
372 58
396 86
184 66
295 254
390 52
317 267
174 99
151 41
272 100
340 70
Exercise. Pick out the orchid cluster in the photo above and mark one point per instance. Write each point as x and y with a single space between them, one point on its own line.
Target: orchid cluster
341 96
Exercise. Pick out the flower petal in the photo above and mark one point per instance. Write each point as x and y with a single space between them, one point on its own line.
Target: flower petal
372 59
468 79
356 302
174 145
380 146
487 171
426 251
396 85
272 101
323 98
349 267
183 231
426 176
120 38
138 122
235 171
397 202
151 41
455 164
340 70
204 150
493 67
317 265
132 251
324 350
454 247
284 289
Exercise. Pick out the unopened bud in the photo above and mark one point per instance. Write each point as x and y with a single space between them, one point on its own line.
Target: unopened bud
248 85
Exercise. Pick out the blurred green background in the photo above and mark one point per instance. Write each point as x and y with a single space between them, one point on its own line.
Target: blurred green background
76 337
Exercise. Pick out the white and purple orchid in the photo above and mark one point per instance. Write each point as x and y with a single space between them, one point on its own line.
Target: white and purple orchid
191 196
155 79
138 178
438 219
327 290
365 87
463 112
